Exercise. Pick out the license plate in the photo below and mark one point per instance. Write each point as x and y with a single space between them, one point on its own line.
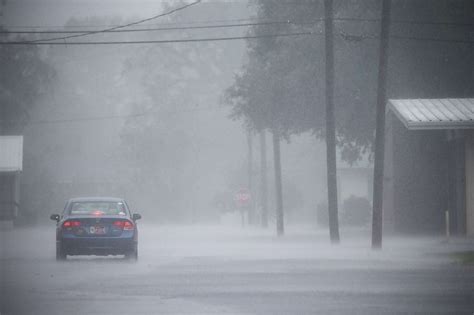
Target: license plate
97 230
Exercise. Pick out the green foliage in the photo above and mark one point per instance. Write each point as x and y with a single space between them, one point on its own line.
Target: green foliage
282 85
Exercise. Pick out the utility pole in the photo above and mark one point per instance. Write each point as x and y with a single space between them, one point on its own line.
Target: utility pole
377 211
278 184
263 179
330 124
250 217
3 4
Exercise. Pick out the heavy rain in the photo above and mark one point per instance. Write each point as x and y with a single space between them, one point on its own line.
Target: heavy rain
236 157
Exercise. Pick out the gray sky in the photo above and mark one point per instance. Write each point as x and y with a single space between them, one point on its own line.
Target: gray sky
58 12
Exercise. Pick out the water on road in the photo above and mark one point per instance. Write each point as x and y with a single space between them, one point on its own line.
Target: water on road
222 270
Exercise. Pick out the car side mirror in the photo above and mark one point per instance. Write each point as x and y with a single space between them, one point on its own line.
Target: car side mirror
55 217
136 216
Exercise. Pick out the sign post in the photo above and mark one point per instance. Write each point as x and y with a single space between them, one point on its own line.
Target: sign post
242 198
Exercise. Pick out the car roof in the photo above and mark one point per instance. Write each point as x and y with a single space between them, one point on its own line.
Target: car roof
109 199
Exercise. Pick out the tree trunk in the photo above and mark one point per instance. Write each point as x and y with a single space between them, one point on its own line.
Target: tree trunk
278 184
263 178
251 216
377 212
330 125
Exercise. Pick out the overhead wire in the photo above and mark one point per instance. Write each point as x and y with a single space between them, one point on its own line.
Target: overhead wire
349 37
109 117
288 22
146 24
165 41
358 38
119 26
116 29
408 22
439 40
179 25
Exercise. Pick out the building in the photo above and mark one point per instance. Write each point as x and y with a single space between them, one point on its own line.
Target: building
11 165
429 166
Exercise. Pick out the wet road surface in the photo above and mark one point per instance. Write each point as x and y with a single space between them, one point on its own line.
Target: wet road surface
221 270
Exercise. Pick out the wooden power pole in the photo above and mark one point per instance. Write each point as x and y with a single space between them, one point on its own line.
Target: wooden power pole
250 217
330 125
377 202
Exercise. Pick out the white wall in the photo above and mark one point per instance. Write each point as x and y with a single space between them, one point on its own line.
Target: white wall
11 153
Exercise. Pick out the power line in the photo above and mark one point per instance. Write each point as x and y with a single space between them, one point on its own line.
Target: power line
164 28
210 39
440 40
180 24
151 24
358 38
348 37
109 117
408 22
120 26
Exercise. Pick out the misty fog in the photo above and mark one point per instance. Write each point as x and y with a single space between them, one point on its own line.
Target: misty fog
148 123
245 135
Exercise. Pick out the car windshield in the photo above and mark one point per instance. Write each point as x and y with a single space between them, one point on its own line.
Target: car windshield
97 208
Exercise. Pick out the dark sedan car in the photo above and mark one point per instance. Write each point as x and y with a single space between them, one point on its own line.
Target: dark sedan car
96 226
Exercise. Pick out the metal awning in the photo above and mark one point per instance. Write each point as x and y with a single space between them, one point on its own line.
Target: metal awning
447 113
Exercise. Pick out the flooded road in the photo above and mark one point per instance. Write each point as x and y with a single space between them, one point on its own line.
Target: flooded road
216 270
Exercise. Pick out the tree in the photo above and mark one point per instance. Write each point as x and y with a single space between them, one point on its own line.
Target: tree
174 86
280 88
268 94
283 81
263 179
380 128
278 184
24 78
330 123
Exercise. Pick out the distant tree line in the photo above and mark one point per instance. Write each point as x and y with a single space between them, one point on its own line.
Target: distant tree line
24 77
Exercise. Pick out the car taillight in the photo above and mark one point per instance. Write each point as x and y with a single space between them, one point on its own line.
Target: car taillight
128 226
125 225
69 224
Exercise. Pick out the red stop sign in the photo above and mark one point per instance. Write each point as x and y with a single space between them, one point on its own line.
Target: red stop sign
243 196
